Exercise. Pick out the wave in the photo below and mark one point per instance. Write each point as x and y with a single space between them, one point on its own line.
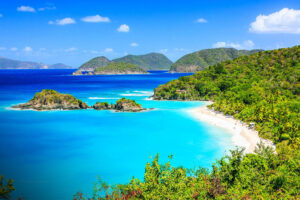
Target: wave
102 98
138 93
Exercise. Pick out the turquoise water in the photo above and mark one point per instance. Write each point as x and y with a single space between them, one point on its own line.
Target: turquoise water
51 155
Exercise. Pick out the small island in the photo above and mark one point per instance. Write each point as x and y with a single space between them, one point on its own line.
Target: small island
122 105
115 68
52 100
120 68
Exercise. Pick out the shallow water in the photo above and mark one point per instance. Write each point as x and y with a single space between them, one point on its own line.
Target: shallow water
51 155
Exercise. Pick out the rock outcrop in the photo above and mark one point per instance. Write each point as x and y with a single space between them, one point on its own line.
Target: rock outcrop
128 105
122 105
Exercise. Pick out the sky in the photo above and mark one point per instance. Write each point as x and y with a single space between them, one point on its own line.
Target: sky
72 32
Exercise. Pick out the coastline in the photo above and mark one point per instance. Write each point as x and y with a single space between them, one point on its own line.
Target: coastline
242 135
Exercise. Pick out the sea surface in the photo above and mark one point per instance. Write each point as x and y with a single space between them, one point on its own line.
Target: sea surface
51 155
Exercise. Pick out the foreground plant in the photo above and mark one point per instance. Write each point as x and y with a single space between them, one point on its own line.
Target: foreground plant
263 175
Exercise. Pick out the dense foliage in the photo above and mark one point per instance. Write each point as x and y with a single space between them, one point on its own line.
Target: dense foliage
151 61
263 175
121 67
48 96
94 63
128 101
201 59
6 187
262 88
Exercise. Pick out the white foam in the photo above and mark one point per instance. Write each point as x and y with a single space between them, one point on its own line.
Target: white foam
137 93
103 98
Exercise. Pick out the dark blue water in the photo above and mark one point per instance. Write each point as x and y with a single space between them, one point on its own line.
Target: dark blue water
51 155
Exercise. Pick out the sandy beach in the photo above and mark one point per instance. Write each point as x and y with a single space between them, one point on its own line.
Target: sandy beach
242 135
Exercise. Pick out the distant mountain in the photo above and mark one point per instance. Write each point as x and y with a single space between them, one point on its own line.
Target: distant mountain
151 61
94 63
60 66
201 59
6 63
120 68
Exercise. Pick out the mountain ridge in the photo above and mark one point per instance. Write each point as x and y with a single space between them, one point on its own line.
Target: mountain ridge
199 60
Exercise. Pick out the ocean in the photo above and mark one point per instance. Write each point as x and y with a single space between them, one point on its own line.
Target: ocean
51 155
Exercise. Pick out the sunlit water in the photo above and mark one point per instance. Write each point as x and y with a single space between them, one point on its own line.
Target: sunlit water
51 155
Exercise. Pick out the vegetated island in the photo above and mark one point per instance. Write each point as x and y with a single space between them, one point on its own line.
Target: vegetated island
115 68
53 100
199 60
122 105
150 61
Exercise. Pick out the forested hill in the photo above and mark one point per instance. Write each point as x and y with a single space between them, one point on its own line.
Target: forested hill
150 61
261 88
94 63
201 59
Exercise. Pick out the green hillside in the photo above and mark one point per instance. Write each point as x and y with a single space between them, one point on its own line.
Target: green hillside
120 68
151 61
201 59
261 88
94 63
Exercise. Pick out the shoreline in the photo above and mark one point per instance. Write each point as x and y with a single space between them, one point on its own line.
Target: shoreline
242 135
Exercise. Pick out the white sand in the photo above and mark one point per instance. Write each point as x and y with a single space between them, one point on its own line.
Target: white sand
242 135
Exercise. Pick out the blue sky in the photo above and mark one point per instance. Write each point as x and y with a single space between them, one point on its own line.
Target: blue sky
72 32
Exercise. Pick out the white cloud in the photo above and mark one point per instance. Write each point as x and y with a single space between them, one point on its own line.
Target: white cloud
71 49
248 44
284 21
63 21
25 9
164 50
134 44
95 19
124 28
201 20
108 50
219 44
27 49
2 48
14 49
47 8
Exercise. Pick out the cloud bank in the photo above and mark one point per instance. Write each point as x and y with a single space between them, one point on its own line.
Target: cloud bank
284 21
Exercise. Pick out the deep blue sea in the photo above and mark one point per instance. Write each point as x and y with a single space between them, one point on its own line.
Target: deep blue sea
51 155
